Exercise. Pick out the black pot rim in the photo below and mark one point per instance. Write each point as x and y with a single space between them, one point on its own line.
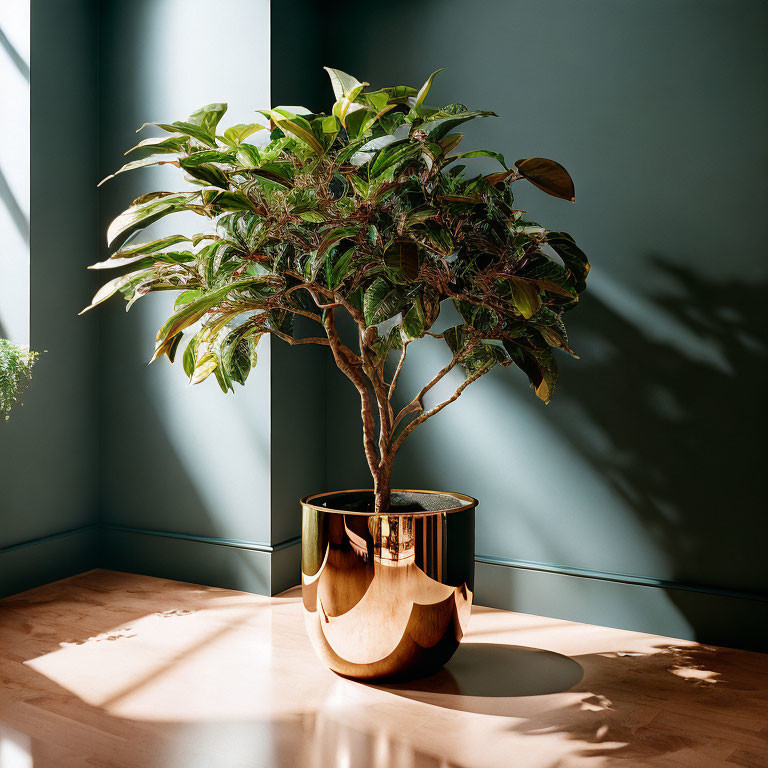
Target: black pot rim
469 502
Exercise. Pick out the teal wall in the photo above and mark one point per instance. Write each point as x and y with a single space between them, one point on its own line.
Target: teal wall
194 484
632 500
48 449
635 497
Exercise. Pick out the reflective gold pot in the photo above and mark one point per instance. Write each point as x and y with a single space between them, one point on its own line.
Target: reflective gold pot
387 595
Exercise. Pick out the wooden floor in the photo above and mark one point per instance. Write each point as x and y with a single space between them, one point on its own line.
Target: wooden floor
111 669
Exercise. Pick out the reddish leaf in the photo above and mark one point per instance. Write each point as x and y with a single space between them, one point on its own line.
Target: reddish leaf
547 175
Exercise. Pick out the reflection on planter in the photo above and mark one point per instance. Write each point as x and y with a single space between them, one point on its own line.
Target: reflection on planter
387 594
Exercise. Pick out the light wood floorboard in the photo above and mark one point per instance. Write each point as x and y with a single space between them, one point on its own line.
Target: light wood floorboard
114 670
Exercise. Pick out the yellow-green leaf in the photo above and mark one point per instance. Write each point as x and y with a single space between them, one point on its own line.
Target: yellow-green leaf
424 90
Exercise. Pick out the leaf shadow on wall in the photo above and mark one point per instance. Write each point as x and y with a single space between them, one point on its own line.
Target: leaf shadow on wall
681 432
683 435
666 410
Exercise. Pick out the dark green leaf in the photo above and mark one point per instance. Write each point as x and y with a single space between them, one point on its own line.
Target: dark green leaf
403 257
573 257
525 296
140 216
381 301
162 159
539 365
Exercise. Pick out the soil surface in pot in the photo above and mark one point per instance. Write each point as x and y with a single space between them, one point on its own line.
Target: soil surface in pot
402 502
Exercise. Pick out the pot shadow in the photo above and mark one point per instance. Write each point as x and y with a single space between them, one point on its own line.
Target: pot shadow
485 678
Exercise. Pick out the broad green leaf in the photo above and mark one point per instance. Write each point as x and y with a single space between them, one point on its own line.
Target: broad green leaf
204 368
140 216
143 249
439 128
112 287
248 156
141 261
539 365
190 313
293 126
335 235
480 153
573 257
207 156
359 185
208 173
229 201
393 155
185 297
346 108
451 141
144 162
403 256
208 117
381 301
313 217
525 297
162 145
366 152
548 176
356 120
275 178
344 85
339 268
188 129
414 320
236 134
549 274
330 125
188 358
424 90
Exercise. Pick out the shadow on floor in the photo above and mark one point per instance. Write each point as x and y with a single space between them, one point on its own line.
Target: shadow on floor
482 675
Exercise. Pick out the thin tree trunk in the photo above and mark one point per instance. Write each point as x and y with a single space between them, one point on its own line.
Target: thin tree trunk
382 490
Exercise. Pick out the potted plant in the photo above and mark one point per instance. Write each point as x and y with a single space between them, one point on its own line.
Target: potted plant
367 213
16 365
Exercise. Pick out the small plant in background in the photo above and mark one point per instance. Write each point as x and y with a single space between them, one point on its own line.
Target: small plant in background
16 365
364 211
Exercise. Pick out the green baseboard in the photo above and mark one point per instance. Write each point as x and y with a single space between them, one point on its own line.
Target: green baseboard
231 563
665 608
718 617
34 563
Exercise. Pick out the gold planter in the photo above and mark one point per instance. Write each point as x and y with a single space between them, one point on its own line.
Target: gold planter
387 595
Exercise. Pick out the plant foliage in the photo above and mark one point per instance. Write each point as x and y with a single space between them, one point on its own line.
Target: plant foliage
370 210
16 365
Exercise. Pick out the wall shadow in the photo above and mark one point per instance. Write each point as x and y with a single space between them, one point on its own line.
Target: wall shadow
15 211
18 60
680 437
665 409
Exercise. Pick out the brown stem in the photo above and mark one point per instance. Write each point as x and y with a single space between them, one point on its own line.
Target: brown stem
399 368
381 487
416 404
346 365
290 340
432 411
375 374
